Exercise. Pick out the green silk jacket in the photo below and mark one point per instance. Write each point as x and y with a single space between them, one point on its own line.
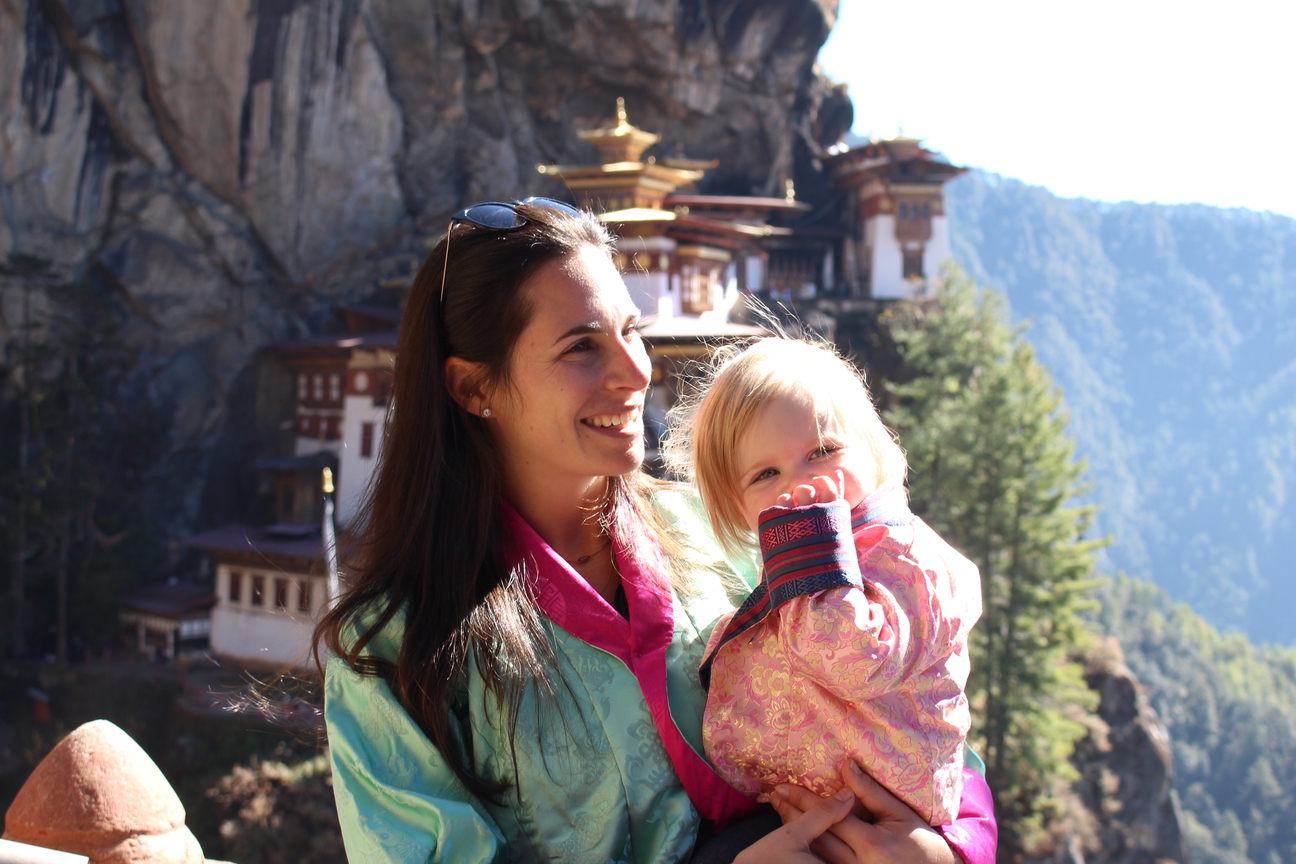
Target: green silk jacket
605 770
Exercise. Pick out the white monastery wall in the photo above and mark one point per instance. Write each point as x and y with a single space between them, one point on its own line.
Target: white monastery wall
355 468
888 259
264 633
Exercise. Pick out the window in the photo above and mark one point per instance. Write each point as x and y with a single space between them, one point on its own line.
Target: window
335 387
235 594
302 389
258 590
366 440
913 264
317 387
303 595
195 628
281 593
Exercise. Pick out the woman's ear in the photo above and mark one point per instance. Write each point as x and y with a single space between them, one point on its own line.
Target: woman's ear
465 382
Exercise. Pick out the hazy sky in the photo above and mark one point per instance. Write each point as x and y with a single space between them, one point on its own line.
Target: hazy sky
1115 100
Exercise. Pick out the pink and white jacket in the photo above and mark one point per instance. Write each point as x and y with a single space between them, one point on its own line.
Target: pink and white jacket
854 644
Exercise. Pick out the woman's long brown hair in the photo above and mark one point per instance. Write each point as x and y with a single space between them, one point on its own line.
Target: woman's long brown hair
430 543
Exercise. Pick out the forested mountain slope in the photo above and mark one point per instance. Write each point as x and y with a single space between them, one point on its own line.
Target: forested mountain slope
1172 331
1230 709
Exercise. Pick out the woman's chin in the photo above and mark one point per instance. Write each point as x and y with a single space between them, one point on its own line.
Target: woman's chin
631 460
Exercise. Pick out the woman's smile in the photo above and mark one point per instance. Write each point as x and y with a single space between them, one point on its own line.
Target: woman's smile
627 423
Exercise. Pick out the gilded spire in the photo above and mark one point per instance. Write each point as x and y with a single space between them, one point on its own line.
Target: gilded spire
622 142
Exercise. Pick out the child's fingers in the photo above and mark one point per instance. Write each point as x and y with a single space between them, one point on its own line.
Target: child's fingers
828 488
805 494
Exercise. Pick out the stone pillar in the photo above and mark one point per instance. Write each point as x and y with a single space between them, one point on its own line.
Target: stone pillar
98 794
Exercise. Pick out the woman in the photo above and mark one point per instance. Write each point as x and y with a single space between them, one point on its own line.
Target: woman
513 673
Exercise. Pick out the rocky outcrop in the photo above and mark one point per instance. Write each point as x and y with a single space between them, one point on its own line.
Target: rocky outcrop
1126 790
230 171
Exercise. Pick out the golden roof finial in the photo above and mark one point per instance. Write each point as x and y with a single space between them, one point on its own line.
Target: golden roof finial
789 191
622 142
328 481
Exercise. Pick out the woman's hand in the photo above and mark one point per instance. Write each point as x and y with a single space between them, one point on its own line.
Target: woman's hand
892 834
793 841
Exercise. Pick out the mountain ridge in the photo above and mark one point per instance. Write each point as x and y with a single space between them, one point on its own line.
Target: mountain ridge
1172 331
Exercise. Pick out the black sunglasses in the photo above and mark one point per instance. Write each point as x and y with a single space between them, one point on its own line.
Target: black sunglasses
499 216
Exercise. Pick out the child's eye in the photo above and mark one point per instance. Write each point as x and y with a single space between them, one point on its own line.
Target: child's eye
765 475
825 450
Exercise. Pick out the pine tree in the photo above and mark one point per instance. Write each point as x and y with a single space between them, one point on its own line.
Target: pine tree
65 450
992 470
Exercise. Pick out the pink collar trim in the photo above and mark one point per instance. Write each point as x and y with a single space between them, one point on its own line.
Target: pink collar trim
640 643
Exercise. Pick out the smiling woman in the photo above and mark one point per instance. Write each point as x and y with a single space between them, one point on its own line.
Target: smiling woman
570 414
513 673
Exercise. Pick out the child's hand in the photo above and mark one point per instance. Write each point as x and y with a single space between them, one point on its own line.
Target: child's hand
820 490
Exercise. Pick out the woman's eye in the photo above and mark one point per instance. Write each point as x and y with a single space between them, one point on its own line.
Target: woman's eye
582 345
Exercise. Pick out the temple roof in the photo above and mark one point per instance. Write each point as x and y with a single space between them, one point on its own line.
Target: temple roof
622 142
179 600
260 541
896 159
693 327
335 341
739 203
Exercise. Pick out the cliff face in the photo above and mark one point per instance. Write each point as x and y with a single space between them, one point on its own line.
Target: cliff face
230 171
1129 811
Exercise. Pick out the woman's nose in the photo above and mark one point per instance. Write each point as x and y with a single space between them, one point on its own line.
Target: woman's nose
632 369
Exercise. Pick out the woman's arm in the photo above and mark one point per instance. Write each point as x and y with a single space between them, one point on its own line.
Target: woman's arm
397 800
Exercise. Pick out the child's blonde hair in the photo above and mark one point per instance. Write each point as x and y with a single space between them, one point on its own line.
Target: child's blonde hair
706 427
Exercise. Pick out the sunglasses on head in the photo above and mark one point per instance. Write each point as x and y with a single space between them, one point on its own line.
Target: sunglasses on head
499 216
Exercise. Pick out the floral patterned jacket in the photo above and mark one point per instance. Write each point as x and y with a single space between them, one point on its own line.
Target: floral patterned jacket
854 644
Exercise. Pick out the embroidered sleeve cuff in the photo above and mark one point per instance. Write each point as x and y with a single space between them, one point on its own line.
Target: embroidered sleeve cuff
811 547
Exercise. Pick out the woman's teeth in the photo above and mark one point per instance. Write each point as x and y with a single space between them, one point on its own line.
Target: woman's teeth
608 420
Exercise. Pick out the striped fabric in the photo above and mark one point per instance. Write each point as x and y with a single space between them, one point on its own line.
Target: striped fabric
806 550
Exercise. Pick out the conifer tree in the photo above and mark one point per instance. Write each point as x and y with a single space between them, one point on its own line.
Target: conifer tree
992 470
68 508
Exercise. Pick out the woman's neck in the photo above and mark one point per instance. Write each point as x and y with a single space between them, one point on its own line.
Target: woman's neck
566 516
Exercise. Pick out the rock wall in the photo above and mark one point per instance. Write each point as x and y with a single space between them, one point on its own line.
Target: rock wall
230 171
1127 810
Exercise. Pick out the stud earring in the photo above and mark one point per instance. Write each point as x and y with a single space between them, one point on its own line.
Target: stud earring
486 412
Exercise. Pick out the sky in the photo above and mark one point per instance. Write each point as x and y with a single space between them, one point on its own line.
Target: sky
1141 100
